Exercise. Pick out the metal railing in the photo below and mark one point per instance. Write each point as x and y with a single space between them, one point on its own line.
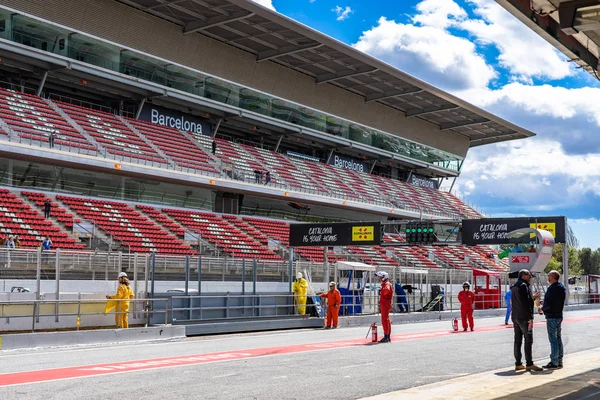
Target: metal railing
37 310
33 137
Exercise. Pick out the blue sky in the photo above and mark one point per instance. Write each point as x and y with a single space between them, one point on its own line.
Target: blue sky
479 52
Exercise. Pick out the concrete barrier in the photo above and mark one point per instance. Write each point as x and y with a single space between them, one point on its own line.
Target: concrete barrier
101 336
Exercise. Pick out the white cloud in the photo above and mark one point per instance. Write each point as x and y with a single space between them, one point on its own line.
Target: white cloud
522 50
542 100
342 12
429 51
439 13
265 3
533 175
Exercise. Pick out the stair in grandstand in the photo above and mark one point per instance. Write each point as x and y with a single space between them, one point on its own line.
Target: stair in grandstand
146 140
175 227
204 143
5 130
178 147
18 218
225 235
125 224
58 214
74 124
33 121
282 169
92 237
119 141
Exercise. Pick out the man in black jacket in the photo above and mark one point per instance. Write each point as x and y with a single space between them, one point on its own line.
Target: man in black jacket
554 302
522 317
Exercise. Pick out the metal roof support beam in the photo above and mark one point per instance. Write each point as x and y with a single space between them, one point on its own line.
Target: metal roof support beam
345 74
140 106
195 26
284 51
394 93
278 143
214 135
567 12
42 83
445 127
430 110
329 156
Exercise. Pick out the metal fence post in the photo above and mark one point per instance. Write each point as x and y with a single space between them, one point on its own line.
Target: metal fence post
153 274
38 278
57 278
78 309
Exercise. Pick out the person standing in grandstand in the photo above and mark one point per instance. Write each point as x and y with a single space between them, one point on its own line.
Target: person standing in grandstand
386 295
507 299
47 208
124 294
46 246
267 178
51 139
10 243
214 146
300 287
257 176
466 299
334 300
401 301
522 317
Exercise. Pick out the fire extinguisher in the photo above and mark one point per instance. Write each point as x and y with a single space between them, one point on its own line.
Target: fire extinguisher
374 333
455 324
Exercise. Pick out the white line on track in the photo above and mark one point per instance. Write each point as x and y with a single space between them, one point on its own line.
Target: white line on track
224 376
356 365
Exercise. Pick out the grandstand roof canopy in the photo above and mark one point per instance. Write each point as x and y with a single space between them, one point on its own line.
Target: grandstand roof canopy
272 36
572 26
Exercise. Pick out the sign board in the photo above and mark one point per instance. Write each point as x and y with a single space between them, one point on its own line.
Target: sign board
363 233
336 234
519 259
495 230
175 119
417 180
350 163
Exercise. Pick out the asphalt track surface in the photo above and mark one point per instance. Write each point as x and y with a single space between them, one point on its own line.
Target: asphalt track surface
306 364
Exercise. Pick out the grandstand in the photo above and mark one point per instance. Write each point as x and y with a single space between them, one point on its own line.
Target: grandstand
117 132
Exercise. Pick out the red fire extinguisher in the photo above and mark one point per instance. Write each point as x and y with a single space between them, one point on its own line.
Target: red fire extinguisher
374 333
455 324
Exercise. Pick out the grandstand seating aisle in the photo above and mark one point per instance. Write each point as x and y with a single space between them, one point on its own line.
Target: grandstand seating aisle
58 212
32 119
175 145
111 133
18 218
127 225
281 165
223 234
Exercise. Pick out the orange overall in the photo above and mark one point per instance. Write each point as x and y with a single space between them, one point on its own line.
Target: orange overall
386 294
334 299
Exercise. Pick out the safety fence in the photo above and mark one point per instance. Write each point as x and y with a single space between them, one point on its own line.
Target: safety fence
79 312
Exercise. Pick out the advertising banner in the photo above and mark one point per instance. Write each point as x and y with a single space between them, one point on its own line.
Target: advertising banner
336 234
495 230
